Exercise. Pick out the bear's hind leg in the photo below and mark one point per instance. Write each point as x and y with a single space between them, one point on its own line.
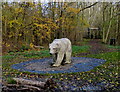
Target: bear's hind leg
68 57
64 60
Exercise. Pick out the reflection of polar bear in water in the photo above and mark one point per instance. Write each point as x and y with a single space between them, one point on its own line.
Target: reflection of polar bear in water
61 49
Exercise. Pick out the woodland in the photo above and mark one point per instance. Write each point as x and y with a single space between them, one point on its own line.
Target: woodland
29 24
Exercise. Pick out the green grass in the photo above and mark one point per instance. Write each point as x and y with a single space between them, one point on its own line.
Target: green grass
11 81
108 71
80 49
8 57
43 53
109 56
112 59
113 47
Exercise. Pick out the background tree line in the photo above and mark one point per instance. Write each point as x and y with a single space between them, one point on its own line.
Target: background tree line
29 24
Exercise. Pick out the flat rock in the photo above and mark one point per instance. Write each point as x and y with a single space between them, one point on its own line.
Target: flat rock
78 64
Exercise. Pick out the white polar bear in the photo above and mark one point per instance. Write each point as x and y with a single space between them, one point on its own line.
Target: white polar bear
60 49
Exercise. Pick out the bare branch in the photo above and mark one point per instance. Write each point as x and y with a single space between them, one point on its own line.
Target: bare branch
87 7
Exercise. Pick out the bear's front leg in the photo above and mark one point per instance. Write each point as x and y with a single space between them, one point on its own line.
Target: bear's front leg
59 59
54 56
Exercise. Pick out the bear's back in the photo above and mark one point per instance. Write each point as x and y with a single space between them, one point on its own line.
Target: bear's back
63 41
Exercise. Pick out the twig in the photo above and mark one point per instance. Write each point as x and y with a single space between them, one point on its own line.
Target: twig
22 89
32 87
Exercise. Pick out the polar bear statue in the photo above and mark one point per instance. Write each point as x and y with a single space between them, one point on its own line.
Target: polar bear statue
61 50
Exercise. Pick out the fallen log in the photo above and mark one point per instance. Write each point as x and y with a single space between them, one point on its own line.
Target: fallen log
25 85
29 82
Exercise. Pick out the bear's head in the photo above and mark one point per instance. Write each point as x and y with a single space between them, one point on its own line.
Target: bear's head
54 48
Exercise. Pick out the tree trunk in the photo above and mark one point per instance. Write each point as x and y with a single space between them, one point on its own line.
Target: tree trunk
118 25
103 26
108 31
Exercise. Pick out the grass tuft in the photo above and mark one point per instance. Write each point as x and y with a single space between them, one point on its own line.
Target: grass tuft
11 80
